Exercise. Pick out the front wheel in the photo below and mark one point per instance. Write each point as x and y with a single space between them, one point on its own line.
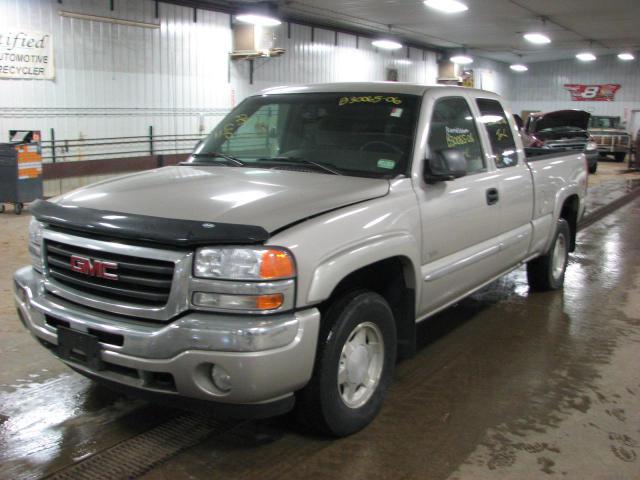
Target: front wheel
593 168
619 156
354 365
547 272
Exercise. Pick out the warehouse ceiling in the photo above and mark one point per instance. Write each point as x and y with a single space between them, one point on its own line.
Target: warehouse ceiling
490 28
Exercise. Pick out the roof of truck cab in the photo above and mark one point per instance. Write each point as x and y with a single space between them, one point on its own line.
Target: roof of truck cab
365 87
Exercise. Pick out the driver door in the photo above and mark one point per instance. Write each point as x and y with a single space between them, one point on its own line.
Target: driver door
461 217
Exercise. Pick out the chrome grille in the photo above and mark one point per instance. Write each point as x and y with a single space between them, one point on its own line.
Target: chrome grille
141 281
567 146
608 140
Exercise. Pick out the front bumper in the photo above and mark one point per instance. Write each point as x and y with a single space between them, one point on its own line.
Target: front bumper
267 358
605 149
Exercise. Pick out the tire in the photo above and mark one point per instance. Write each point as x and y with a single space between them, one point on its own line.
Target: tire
547 272
619 156
17 208
1 208
593 168
338 404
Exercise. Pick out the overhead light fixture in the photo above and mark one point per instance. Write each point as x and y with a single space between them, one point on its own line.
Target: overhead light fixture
586 57
518 67
264 14
447 6
404 61
461 59
386 44
262 20
626 56
537 38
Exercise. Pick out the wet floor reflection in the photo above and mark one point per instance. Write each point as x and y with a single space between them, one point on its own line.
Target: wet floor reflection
64 419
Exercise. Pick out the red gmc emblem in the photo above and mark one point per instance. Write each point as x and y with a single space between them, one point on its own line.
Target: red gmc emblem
94 268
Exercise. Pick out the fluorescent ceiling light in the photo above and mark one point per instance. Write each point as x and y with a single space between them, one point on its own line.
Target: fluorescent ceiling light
626 56
586 57
518 67
386 44
461 59
538 38
261 20
404 61
447 6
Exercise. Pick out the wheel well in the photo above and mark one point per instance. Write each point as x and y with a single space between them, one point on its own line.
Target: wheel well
393 279
569 212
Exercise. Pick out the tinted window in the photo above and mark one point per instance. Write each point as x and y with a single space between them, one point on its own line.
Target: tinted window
499 131
452 126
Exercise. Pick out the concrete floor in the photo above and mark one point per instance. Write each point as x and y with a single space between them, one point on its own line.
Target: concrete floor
506 384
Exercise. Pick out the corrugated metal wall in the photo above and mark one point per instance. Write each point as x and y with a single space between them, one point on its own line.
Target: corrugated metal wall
318 55
114 80
542 87
492 76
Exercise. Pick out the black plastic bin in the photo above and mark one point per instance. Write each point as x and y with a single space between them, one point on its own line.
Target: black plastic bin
20 174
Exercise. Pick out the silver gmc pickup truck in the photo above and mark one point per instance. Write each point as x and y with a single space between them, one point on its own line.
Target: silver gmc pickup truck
287 261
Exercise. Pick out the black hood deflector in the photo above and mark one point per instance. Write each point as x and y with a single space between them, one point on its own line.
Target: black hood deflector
144 228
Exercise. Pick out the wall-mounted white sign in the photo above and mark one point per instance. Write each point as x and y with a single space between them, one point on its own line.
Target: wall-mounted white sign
26 54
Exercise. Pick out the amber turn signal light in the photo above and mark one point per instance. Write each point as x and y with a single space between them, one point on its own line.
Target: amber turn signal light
276 264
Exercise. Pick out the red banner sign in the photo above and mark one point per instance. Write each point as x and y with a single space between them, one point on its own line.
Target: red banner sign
592 93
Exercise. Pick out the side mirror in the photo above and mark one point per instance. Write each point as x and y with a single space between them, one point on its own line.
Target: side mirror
446 164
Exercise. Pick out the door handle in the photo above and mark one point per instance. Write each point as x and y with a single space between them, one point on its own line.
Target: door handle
492 196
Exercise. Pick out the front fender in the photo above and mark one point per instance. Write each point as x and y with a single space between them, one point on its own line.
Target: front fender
333 269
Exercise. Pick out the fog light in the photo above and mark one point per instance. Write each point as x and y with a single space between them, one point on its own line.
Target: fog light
221 379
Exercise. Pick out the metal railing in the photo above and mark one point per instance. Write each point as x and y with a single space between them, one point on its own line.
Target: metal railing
55 151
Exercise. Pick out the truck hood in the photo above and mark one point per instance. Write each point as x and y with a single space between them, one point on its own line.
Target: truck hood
270 199
562 118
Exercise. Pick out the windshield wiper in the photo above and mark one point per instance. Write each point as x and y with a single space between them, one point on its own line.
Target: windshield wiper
300 160
229 158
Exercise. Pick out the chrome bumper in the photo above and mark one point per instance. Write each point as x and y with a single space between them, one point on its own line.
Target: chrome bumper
267 358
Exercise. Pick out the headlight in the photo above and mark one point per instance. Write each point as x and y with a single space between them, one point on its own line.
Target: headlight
228 263
243 279
591 146
35 244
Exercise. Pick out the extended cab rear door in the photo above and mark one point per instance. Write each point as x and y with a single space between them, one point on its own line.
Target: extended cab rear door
515 185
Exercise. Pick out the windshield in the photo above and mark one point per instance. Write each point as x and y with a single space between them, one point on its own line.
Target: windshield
360 134
604 122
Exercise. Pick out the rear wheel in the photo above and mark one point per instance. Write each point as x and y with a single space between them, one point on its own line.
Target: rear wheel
17 208
593 168
354 365
547 272
619 156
